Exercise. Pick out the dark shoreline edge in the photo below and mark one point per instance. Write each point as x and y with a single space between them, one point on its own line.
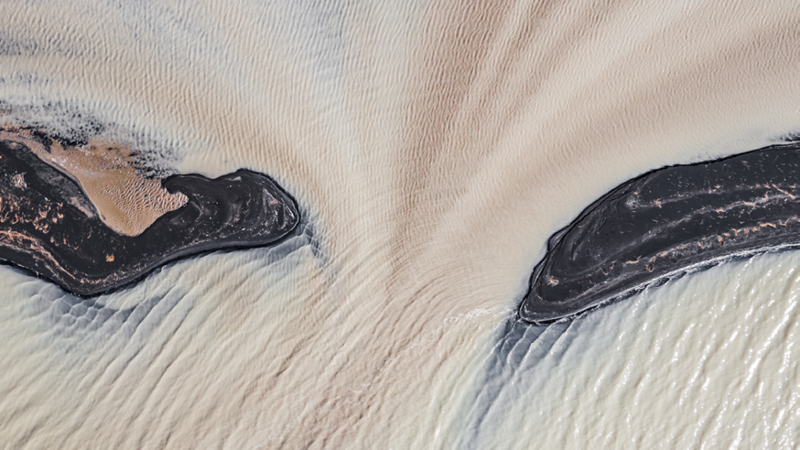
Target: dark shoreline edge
44 227
665 223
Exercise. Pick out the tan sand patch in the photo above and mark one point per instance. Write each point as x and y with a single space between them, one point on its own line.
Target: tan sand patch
127 202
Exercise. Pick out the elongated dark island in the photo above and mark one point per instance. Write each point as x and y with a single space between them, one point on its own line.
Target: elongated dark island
665 223
50 227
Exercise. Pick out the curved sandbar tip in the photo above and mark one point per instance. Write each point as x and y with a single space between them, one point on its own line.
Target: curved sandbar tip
666 223
50 227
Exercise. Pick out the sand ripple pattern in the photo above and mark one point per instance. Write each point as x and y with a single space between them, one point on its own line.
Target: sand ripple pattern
655 371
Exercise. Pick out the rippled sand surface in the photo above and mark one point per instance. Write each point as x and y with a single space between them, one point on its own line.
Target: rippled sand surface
433 149
707 361
127 202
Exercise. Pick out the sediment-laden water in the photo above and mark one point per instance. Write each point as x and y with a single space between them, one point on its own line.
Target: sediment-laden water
432 150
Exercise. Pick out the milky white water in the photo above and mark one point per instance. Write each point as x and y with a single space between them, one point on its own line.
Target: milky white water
707 361
433 148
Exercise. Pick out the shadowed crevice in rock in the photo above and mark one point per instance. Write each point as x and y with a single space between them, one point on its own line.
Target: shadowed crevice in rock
48 226
666 223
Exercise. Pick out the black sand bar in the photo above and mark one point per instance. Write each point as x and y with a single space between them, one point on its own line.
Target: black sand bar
667 222
49 226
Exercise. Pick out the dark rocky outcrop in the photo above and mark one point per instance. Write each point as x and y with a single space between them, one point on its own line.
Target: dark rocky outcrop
49 226
664 223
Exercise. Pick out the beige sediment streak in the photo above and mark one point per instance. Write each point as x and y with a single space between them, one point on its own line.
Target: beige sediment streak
127 202
438 145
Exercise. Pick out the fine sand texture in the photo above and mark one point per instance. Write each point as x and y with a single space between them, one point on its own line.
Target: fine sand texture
126 201
433 148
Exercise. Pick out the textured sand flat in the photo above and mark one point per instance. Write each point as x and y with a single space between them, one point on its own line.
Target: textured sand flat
435 148
126 201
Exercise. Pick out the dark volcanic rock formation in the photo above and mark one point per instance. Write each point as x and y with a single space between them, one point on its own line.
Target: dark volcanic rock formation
665 223
49 226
